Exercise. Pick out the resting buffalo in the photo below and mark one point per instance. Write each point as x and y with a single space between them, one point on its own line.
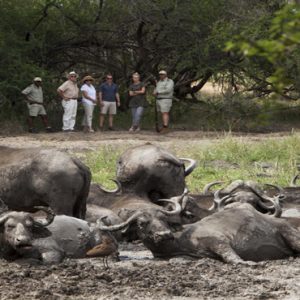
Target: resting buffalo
248 192
32 177
239 234
152 172
24 237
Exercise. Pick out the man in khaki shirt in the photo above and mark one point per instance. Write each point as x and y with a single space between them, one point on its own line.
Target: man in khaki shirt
69 94
34 99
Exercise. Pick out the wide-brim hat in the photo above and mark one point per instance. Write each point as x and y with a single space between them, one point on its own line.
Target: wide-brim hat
37 79
86 78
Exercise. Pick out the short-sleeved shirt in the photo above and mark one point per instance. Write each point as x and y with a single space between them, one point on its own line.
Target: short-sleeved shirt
91 92
34 93
137 100
70 89
108 91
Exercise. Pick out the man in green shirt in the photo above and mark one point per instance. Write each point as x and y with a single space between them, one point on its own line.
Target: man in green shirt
34 98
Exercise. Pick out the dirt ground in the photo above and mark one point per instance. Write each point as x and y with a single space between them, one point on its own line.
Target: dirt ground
138 275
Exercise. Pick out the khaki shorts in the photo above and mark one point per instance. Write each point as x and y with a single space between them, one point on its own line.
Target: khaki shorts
36 110
164 105
109 107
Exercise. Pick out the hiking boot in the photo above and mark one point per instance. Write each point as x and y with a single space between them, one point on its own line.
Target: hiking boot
49 129
131 129
138 129
33 130
164 130
111 128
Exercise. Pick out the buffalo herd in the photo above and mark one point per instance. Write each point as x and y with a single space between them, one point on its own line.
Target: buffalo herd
50 210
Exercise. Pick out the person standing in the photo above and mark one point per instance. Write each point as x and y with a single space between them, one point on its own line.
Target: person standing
109 99
137 102
89 100
164 93
34 98
68 91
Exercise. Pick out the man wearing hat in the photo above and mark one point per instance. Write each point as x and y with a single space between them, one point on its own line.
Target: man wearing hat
164 94
68 91
34 99
89 100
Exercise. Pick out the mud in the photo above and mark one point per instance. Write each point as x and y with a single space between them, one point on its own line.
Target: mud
138 275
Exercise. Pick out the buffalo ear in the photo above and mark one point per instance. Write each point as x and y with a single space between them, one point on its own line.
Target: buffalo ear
40 232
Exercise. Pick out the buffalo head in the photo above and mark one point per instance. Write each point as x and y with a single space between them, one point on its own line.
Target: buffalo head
18 229
152 171
151 223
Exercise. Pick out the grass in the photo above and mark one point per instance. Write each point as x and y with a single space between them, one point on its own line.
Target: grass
227 159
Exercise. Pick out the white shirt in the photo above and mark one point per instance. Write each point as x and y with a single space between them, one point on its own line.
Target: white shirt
91 92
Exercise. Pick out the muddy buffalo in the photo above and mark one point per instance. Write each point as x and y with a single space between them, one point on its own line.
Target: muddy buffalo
24 237
47 177
239 234
153 172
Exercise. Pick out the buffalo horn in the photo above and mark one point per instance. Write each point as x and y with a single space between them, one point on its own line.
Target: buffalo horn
49 218
209 185
189 169
219 203
116 190
293 182
177 206
119 226
263 197
4 217
277 208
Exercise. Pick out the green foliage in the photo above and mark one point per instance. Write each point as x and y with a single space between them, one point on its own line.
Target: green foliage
280 48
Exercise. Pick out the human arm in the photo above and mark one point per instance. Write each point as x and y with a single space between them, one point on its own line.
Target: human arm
138 92
118 99
61 91
100 99
166 88
61 94
26 93
86 96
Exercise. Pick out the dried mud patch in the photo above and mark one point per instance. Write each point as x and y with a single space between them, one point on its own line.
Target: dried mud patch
139 276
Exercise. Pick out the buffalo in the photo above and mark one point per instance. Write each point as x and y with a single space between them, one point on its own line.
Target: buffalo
24 237
238 234
153 172
43 177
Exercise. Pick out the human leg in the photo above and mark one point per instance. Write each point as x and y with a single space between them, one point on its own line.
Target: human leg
165 119
133 112
67 106
73 113
89 117
110 121
138 116
112 110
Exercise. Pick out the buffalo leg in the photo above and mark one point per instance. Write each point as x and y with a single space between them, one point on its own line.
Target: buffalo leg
227 254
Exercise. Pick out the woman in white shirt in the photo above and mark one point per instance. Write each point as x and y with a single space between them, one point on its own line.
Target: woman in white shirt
89 100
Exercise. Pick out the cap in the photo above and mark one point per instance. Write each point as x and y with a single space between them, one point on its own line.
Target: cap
162 72
72 73
37 79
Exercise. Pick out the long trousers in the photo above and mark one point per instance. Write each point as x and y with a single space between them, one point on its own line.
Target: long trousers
70 111
136 113
88 115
